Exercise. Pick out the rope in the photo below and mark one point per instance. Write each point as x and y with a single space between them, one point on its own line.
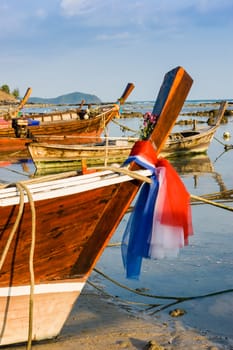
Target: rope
123 127
31 266
226 146
197 198
133 290
178 299
106 148
220 195
15 226
21 186
126 171
111 296
51 177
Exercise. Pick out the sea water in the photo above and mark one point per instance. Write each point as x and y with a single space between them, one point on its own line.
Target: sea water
203 270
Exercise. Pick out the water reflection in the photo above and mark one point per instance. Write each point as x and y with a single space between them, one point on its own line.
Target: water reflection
196 167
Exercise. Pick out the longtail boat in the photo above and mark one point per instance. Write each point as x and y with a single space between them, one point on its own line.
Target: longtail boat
54 229
59 156
64 151
72 121
193 141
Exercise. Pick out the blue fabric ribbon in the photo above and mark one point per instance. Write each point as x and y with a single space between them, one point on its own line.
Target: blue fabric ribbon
137 235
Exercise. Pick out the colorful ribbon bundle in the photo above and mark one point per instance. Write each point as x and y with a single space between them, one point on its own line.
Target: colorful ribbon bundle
161 221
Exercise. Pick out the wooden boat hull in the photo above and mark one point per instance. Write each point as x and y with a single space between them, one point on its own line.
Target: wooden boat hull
7 132
13 144
54 229
192 141
69 124
70 236
75 121
189 142
46 156
51 310
15 137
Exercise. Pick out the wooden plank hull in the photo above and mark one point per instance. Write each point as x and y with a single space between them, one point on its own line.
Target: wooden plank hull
46 156
51 311
71 233
13 144
190 142
15 137
70 124
54 229
7 132
66 154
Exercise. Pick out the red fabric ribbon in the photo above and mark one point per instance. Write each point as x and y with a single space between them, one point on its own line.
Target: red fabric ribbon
177 197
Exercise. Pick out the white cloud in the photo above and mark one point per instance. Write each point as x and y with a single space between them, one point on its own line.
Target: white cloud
142 13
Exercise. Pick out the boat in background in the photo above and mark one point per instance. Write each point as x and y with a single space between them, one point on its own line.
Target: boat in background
63 151
54 229
193 141
89 126
8 139
48 156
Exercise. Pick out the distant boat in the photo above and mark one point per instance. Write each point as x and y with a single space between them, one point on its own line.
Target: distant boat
65 153
193 141
59 156
54 229
74 121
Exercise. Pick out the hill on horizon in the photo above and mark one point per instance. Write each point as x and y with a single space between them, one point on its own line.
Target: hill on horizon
71 98
5 97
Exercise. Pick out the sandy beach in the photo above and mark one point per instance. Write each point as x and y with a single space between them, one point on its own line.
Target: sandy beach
97 323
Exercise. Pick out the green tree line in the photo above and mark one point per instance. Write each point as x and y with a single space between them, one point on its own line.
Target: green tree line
6 89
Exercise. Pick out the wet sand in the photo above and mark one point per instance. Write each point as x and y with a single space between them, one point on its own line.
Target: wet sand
97 323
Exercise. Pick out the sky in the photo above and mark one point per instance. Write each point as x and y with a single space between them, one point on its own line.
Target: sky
97 46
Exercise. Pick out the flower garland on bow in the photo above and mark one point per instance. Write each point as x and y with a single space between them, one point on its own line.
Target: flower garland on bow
149 122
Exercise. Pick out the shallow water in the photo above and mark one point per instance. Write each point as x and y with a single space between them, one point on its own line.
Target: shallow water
205 266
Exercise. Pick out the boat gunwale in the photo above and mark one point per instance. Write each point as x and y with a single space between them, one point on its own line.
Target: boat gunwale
73 186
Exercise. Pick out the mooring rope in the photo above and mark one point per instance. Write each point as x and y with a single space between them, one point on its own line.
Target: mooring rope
226 146
112 296
124 127
21 188
31 265
15 226
198 198
178 299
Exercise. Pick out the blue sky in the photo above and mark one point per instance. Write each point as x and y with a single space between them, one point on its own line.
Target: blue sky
98 46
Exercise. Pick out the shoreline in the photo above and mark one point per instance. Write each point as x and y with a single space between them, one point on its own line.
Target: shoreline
96 323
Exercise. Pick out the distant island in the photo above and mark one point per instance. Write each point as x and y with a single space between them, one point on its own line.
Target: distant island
72 98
